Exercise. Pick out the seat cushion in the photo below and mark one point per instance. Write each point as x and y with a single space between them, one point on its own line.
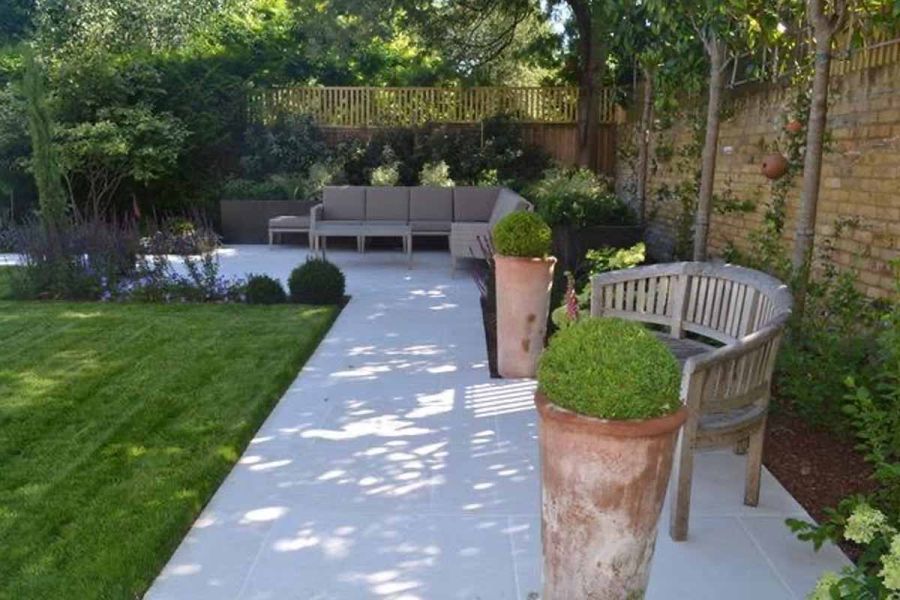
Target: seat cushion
344 203
431 204
387 204
289 222
473 204
431 226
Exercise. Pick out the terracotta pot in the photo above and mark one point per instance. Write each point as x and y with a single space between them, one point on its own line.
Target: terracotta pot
603 486
774 166
794 127
523 305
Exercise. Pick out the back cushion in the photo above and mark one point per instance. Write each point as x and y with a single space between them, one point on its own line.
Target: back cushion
474 203
507 201
387 204
431 204
344 203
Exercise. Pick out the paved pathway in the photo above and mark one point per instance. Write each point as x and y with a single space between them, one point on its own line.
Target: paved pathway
394 467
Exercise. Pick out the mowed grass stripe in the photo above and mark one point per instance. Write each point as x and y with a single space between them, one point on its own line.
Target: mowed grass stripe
118 422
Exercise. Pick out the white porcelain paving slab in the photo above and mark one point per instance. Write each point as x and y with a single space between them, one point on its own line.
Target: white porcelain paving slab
394 467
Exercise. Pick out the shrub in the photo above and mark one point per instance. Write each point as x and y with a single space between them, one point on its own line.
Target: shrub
607 259
435 174
522 234
262 289
317 281
580 198
291 145
388 174
610 369
181 237
247 189
84 260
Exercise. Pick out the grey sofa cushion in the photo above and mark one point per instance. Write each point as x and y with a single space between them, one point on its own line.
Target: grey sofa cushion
387 204
289 222
473 204
431 226
344 203
431 204
507 201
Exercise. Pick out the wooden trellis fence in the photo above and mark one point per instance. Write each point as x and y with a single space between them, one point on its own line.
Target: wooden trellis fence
412 106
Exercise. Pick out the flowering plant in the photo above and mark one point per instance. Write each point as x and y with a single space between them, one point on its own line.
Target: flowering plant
877 573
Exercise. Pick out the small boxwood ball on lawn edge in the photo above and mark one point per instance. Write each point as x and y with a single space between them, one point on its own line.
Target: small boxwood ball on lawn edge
610 369
317 281
262 289
523 234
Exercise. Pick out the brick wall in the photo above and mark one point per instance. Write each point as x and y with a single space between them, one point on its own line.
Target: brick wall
861 174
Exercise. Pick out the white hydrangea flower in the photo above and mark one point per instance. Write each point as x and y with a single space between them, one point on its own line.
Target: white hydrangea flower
864 524
822 591
890 571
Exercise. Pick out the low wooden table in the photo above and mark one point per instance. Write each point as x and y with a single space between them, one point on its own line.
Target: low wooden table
363 230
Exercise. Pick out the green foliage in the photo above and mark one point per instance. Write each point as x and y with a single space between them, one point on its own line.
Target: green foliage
133 143
876 573
45 163
578 197
262 289
138 415
614 259
387 174
601 260
317 281
435 174
610 369
293 144
495 155
874 410
247 189
523 234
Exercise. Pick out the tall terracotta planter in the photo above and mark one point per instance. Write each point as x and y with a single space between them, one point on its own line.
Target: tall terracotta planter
603 485
523 305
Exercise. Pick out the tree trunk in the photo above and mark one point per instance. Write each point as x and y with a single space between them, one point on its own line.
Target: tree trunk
805 231
592 59
643 159
716 51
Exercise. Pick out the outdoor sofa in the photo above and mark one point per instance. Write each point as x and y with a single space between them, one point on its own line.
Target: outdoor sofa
464 214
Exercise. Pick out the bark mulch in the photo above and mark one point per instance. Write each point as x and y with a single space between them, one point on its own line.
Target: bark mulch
818 467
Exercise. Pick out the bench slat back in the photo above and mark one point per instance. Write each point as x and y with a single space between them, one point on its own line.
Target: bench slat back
742 309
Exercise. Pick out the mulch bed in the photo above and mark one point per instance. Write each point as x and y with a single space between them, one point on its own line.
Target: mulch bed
818 467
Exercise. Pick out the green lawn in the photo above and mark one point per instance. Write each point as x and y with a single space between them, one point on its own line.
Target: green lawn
118 422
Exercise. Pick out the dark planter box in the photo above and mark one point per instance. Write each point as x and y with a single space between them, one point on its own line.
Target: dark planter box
247 221
570 244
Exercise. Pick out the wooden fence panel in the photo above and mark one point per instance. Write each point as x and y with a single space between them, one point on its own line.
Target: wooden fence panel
412 106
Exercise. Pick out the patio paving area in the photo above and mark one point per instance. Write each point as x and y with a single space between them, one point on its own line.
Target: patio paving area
394 467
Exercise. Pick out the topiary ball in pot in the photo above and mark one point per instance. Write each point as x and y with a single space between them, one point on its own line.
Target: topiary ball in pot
609 410
610 369
523 234
524 277
317 281
262 289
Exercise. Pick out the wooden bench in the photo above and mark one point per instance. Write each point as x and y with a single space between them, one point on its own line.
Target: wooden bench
724 324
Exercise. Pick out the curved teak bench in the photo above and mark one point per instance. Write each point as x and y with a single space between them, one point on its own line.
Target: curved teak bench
735 318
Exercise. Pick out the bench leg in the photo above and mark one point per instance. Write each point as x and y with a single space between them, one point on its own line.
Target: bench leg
754 466
271 236
681 501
